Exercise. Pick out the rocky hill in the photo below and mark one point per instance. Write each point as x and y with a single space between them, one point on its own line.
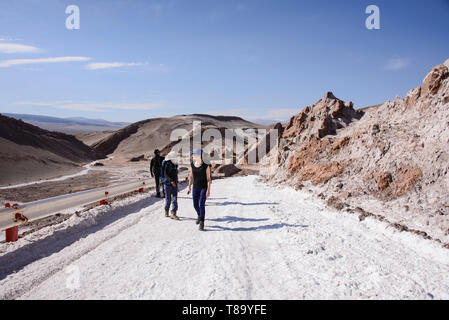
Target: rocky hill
28 152
391 161
144 136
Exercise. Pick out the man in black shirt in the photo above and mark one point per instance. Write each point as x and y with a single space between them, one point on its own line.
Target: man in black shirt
155 170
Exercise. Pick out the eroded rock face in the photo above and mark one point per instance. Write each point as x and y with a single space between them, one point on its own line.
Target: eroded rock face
320 172
412 97
324 118
308 153
394 186
383 180
432 81
407 178
311 162
395 155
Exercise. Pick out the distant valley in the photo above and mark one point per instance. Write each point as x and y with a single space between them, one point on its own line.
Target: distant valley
73 125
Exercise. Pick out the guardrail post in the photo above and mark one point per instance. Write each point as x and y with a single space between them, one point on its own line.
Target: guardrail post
12 234
14 214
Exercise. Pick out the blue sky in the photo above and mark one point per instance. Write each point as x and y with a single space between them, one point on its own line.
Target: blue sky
260 59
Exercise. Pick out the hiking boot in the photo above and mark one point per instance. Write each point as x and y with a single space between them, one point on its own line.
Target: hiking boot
174 216
166 214
201 228
198 220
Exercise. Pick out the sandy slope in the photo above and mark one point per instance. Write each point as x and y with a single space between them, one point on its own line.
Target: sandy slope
261 243
144 136
90 138
29 153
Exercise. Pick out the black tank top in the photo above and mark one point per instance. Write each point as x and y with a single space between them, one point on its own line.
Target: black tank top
199 176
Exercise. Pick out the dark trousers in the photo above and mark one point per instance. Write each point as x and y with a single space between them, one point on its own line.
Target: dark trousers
157 178
171 198
199 201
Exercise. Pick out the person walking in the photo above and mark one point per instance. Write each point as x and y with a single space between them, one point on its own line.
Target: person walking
155 170
170 179
200 177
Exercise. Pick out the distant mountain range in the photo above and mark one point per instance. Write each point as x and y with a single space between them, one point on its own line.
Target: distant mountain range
72 125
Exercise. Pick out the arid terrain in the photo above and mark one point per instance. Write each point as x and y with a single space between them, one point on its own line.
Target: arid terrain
68 125
336 184
144 136
389 161
29 153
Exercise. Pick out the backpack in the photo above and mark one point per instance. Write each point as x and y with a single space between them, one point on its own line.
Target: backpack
167 166
163 178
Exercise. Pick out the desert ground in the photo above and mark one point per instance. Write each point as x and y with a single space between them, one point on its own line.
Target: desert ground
260 243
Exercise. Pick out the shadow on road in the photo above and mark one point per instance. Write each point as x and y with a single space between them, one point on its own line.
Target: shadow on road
257 228
230 219
190 197
230 203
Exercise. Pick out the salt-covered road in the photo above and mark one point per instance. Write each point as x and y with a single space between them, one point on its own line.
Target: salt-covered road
260 243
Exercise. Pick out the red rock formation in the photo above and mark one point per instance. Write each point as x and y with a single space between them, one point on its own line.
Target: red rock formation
320 172
383 180
433 80
407 178
392 158
324 118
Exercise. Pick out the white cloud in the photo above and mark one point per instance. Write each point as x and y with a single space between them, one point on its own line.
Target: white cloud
5 38
397 63
107 65
16 48
10 63
34 103
90 106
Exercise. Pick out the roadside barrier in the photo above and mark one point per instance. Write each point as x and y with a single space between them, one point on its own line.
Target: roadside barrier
14 215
